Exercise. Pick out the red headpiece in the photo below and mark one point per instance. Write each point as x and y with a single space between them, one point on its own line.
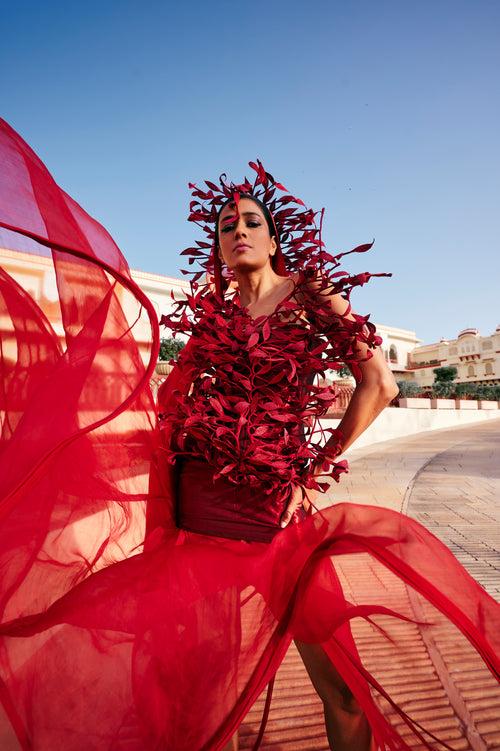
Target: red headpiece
297 234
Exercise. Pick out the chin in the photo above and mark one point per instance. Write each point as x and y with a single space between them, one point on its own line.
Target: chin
246 265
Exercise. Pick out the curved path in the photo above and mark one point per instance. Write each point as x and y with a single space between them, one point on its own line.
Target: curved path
450 481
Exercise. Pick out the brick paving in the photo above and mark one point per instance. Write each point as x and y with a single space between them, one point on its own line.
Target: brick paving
449 480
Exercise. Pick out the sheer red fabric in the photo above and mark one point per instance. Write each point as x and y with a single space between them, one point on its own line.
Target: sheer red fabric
120 630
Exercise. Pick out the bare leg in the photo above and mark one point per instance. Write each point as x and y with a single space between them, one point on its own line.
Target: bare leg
346 725
233 743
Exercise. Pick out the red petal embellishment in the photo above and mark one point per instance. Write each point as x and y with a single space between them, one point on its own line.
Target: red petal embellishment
226 469
254 338
217 406
241 407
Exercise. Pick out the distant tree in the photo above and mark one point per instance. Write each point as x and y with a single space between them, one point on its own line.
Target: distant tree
170 348
445 374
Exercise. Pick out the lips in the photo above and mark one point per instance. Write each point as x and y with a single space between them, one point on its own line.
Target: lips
240 246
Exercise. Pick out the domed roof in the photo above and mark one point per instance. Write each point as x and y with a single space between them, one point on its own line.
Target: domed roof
468 332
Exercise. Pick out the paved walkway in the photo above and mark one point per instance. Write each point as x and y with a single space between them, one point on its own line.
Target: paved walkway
450 481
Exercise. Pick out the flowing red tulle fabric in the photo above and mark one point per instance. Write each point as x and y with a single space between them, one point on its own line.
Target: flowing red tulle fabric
121 631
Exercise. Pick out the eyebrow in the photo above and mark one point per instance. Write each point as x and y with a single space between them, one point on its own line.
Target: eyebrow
242 213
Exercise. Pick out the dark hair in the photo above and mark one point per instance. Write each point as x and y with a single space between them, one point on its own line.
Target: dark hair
273 232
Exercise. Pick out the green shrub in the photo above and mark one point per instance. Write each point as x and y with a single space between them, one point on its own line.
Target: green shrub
443 389
408 389
465 391
486 392
170 348
446 389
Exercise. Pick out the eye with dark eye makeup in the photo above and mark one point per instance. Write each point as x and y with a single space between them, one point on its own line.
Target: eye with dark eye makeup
250 223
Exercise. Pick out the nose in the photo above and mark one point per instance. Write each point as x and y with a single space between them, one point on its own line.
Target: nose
240 229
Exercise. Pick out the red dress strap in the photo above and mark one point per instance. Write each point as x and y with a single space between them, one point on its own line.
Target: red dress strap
265 715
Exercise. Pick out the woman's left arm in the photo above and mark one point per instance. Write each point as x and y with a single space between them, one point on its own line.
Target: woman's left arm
375 389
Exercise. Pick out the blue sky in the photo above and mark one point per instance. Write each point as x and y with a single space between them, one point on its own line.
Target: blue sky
386 113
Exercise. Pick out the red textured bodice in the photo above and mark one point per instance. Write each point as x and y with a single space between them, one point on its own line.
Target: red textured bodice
251 412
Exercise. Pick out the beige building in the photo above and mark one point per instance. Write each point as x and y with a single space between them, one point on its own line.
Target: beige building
476 358
35 273
397 346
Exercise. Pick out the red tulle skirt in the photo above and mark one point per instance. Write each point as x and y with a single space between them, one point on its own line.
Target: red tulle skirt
170 648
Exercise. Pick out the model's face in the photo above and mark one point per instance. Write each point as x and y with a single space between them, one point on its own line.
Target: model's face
244 239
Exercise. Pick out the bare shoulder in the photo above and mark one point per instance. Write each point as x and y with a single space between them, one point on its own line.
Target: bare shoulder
369 358
316 286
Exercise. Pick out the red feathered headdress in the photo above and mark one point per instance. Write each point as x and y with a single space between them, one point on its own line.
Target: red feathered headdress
297 234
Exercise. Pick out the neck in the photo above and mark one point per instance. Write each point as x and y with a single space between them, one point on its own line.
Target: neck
254 285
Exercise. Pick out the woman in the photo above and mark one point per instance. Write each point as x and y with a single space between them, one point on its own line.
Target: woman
112 638
246 247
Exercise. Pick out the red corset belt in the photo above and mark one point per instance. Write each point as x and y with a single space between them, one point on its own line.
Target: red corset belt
223 509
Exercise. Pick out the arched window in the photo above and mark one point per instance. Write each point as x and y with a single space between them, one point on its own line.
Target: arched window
471 371
393 353
488 369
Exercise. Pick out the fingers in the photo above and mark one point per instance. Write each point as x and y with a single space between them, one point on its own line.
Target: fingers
294 503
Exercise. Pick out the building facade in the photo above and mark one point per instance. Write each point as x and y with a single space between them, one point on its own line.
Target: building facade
476 358
35 273
397 346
